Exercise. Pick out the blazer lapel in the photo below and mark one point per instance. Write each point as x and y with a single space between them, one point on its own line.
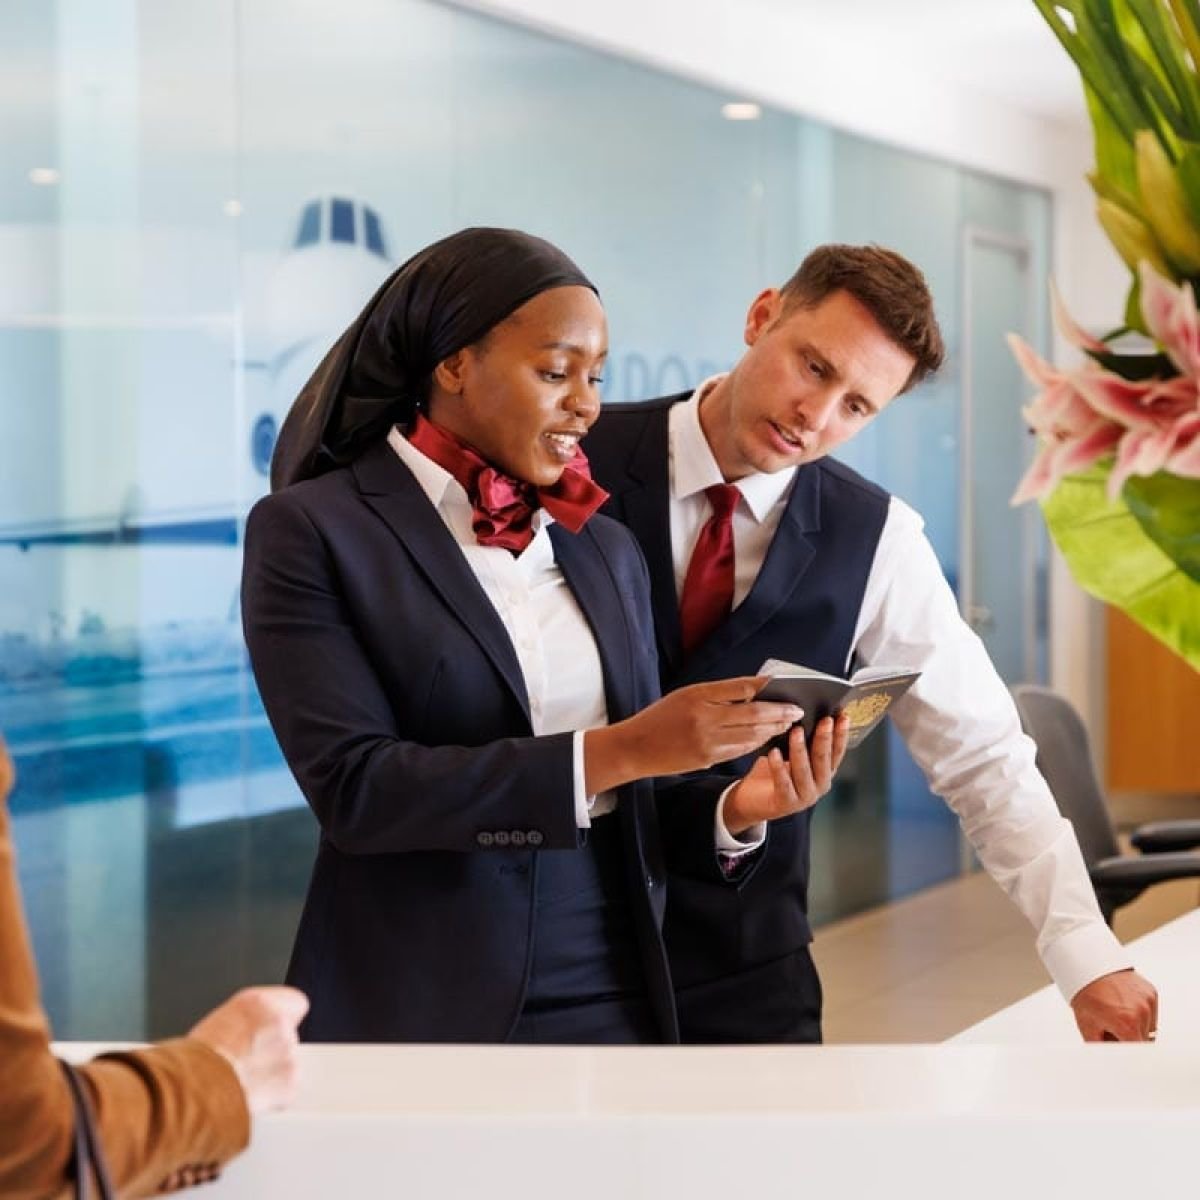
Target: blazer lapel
594 586
788 558
389 488
645 508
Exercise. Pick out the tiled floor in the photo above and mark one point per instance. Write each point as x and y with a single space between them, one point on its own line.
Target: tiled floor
928 966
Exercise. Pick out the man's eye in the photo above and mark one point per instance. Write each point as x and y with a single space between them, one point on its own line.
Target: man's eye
816 368
595 380
554 376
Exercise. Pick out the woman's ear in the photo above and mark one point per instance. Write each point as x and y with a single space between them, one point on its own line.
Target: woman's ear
448 374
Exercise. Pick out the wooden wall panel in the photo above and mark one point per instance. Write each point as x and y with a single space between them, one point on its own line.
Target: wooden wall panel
1153 713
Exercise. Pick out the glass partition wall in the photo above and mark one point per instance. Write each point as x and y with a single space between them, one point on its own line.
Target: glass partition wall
195 201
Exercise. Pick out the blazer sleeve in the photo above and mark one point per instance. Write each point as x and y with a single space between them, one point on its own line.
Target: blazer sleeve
167 1114
373 789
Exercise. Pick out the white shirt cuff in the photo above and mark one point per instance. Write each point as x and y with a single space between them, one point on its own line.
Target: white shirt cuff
583 802
739 845
1083 956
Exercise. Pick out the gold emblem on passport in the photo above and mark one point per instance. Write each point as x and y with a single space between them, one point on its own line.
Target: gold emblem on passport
868 709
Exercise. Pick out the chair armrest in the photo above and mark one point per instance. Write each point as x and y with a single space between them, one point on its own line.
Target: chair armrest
1132 871
1160 836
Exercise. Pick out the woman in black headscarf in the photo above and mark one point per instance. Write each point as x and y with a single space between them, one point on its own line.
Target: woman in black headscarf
458 660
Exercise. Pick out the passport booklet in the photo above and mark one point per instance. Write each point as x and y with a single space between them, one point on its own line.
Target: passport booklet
865 697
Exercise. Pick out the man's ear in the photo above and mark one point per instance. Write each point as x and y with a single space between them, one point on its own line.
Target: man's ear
764 312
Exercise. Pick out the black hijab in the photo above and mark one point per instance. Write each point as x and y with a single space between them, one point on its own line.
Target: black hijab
444 298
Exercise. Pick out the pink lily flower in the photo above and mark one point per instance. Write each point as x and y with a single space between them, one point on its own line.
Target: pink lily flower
1171 317
1084 415
1136 403
1069 327
1072 434
1140 452
1185 457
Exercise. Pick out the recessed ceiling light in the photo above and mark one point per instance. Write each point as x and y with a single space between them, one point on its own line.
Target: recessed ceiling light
232 208
741 111
44 176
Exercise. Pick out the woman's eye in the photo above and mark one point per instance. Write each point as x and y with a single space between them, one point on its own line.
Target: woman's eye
816 368
595 380
554 376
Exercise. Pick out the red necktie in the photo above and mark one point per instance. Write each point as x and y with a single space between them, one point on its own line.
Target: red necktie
707 595
503 507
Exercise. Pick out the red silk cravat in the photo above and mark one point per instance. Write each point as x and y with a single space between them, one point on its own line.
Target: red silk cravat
503 507
707 596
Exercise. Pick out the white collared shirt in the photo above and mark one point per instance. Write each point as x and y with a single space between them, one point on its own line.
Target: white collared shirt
692 469
958 720
555 648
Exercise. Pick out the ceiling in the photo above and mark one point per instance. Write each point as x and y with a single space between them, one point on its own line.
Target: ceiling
1001 48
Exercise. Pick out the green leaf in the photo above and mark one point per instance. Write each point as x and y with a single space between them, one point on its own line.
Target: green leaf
1187 171
1166 44
1115 160
1133 308
1112 557
1168 509
1135 367
1100 74
1187 17
1157 95
1109 30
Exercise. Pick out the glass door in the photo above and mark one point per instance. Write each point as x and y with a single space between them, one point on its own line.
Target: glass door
1001 552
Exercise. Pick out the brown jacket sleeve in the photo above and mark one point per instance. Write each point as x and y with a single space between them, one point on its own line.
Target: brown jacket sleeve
168 1115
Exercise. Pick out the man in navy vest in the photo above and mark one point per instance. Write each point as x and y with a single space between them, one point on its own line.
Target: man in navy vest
829 571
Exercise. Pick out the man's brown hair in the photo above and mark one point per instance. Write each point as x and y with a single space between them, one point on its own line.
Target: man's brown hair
887 285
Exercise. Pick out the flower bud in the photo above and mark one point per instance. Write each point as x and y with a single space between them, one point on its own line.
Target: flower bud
1165 206
1131 238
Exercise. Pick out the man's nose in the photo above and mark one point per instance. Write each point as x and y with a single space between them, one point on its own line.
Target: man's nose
816 410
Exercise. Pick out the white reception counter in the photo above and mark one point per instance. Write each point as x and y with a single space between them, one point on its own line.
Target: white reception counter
966 1119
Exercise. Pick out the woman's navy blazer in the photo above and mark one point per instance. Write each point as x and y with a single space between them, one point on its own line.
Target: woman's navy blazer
396 695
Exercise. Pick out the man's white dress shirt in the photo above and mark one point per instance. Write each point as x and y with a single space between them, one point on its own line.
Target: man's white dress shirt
958 719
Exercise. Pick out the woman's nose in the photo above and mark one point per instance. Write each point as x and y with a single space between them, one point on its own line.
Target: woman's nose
584 401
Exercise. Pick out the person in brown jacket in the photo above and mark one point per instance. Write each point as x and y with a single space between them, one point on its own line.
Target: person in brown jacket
168 1116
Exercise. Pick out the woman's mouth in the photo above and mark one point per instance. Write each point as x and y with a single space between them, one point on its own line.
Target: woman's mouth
562 445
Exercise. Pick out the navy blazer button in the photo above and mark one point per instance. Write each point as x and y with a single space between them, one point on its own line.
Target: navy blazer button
650 881
534 838
501 837
518 837
484 839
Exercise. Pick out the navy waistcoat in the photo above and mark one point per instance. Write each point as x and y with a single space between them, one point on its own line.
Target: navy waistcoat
803 608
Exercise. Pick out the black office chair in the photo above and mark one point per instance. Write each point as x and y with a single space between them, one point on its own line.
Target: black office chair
1064 758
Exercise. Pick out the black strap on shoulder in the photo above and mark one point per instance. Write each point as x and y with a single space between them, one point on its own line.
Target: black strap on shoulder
90 1165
